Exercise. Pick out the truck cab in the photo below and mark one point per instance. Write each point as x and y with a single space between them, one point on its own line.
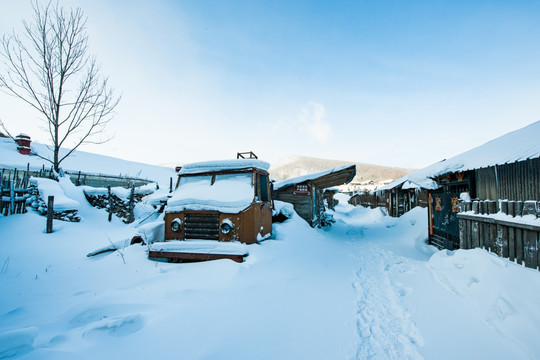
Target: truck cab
228 200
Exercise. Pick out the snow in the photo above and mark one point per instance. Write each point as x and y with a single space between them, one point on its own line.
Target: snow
48 187
515 146
200 247
230 193
223 165
368 287
82 161
300 179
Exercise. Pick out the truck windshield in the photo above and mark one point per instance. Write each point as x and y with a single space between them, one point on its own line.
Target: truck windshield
222 179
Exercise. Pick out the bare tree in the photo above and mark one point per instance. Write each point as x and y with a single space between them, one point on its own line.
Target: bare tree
50 70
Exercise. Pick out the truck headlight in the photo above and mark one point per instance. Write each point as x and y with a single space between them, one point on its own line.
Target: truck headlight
176 225
226 226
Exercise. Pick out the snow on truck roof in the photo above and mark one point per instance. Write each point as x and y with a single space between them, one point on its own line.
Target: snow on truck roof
223 165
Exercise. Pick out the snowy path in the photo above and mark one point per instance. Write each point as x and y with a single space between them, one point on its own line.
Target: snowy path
384 326
383 323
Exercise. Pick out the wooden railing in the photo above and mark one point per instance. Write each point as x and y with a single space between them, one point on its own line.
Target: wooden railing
510 229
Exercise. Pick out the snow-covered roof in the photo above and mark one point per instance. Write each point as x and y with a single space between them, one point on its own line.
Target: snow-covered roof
223 165
515 146
347 170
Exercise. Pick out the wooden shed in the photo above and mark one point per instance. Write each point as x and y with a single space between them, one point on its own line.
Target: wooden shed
401 196
306 193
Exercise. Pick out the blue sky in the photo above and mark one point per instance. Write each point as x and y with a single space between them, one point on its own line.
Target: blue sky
399 83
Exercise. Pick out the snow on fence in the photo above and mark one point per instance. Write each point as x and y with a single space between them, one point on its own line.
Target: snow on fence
510 229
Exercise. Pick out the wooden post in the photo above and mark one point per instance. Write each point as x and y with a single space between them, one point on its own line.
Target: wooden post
170 185
519 245
110 209
493 207
519 208
475 206
529 208
131 216
530 251
50 212
503 204
79 178
512 243
11 197
512 208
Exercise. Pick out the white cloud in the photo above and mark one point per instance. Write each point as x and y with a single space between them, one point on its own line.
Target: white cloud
311 118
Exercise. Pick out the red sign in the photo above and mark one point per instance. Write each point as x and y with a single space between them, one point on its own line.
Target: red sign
301 190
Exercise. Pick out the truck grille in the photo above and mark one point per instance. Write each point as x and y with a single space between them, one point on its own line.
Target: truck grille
201 226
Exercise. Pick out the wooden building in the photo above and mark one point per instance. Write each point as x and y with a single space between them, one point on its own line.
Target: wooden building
306 193
401 196
504 169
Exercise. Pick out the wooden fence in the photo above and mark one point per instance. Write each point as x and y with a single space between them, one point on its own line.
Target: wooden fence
507 228
77 177
13 192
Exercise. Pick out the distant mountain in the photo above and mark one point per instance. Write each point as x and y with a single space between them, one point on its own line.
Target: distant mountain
301 165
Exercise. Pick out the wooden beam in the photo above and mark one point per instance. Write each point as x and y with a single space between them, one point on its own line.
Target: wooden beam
193 257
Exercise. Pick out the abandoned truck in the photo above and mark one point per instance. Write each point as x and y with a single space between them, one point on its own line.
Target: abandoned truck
227 200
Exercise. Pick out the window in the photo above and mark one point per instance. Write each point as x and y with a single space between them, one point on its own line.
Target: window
263 183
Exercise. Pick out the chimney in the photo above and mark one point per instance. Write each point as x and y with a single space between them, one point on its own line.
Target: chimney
23 144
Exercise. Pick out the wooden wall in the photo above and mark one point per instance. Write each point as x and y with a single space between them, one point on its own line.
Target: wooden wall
518 181
302 203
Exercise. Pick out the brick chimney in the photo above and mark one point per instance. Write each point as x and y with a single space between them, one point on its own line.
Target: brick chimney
23 144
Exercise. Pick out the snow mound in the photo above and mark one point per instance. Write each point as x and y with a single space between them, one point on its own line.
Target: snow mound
48 187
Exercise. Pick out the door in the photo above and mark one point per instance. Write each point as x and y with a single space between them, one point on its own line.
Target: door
445 224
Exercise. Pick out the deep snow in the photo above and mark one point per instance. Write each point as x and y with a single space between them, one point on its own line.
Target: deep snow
366 288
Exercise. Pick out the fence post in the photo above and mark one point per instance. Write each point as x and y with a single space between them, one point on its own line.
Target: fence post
50 212
79 178
170 185
110 203
11 197
131 216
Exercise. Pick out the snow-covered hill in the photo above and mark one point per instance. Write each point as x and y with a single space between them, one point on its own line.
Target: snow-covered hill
81 161
294 166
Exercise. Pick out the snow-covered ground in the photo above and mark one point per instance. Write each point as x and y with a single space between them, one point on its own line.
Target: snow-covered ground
366 288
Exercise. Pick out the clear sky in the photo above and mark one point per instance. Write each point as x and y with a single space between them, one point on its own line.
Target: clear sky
398 83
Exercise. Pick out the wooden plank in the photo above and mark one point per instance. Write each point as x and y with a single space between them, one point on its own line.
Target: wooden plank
519 246
504 241
462 234
480 234
193 257
475 235
493 243
530 252
511 243
469 234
